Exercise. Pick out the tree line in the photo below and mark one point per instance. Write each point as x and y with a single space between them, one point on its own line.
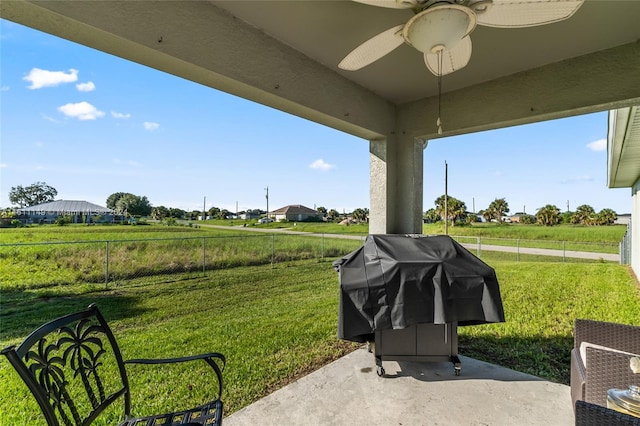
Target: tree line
549 215
128 204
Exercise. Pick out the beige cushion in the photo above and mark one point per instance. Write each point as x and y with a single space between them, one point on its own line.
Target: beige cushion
585 345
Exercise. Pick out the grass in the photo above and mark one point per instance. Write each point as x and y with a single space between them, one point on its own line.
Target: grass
573 233
273 324
121 253
277 323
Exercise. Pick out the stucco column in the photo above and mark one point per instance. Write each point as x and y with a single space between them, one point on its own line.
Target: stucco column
396 185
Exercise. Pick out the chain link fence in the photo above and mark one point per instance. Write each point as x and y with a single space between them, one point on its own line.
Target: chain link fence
38 265
111 263
542 250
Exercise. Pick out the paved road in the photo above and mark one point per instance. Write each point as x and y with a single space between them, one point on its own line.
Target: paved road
472 247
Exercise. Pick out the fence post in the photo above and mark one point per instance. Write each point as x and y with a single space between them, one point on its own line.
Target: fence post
204 256
106 265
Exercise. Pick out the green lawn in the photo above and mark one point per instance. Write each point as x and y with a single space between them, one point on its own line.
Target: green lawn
575 233
277 323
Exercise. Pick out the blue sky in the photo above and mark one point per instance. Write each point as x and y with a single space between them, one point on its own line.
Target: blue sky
91 124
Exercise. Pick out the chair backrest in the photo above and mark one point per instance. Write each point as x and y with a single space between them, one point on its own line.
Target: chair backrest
73 367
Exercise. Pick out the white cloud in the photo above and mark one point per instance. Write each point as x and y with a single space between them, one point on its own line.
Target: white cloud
599 145
81 111
3 165
86 87
39 144
320 164
151 126
51 119
4 88
120 115
42 78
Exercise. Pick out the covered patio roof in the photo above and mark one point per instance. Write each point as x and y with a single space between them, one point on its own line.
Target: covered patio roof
624 147
284 54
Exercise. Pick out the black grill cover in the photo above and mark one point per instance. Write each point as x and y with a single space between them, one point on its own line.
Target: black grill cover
395 281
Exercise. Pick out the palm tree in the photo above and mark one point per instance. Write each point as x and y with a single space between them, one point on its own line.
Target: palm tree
548 215
333 214
432 216
584 215
486 215
498 208
47 367
360 215
83 348
607 217
456 209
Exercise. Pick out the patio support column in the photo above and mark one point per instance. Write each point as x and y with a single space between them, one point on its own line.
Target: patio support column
396 170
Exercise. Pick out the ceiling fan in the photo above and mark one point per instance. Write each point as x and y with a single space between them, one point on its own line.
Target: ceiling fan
441 29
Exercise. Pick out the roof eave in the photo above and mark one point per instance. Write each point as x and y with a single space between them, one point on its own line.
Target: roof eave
623 144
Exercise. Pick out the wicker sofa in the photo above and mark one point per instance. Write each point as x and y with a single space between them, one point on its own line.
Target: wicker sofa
588 414
600 359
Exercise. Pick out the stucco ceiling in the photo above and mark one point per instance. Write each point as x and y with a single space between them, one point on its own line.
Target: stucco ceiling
285 54
326 31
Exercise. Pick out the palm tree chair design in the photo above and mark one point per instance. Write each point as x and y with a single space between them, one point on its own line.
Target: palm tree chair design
74 369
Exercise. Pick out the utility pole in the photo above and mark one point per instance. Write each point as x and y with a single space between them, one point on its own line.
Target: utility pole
267 189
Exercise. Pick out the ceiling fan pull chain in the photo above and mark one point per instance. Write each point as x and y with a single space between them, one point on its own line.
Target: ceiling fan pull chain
439 121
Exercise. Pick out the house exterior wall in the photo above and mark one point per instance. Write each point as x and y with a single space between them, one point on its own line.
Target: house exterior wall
50 217
635 228
297 217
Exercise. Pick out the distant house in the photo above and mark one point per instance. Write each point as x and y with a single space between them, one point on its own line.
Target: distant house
296 213
79 211
252 214
623 219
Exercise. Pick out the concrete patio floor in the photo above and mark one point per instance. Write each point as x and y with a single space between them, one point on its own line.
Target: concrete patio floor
349 392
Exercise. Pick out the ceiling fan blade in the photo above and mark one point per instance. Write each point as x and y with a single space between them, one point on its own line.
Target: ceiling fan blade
452 59
373 49
392 4
525 13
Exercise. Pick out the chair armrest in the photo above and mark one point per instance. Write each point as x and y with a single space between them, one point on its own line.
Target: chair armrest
578 377
621 337
588 414
212 359
606 370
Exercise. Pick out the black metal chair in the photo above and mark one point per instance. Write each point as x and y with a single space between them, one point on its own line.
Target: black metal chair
74 369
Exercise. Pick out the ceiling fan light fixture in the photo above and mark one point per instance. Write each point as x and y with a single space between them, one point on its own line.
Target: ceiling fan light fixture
439 27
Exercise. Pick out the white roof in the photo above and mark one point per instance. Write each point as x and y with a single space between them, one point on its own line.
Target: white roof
67 207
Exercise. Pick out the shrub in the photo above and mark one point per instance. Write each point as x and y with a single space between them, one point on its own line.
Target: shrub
62 220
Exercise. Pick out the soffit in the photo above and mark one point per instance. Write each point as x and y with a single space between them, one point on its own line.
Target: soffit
624 147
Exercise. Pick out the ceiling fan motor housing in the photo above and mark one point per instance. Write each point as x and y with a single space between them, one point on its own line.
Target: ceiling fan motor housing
439 28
